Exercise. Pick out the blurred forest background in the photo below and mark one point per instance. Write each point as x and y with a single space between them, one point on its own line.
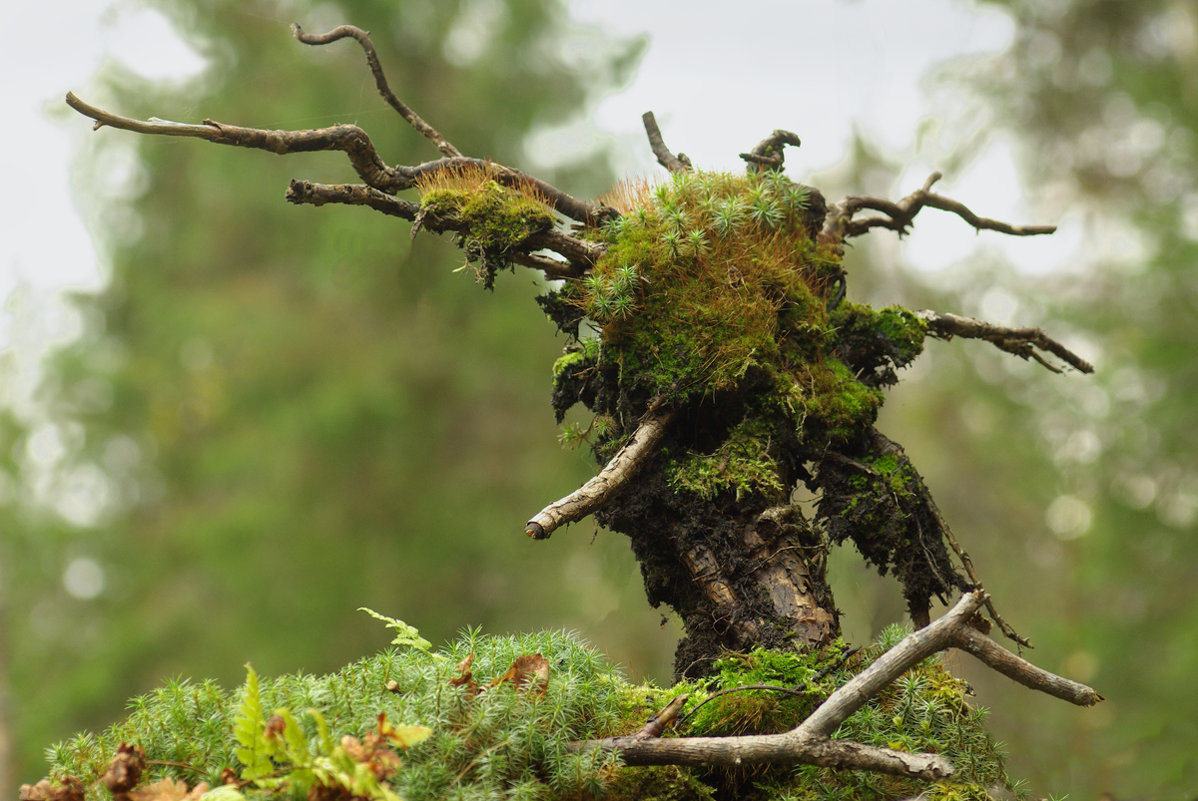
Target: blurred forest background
277 414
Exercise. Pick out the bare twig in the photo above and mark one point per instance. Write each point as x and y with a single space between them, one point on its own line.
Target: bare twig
655 725
357 146
1020 341
1013 667
380 80
840 225
789 748
768 155
810 742
665 158
552 268
314 194
596 492
349 138
909 651
578 251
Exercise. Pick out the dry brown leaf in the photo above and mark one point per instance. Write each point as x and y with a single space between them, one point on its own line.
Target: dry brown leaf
67 789
530 671
374 751
465 676
275 726
354 747
168 790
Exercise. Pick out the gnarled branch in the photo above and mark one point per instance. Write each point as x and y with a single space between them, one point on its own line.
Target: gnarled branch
380 80
314 194
768 155
357 146
1013 667
665 158
615 474
579 253
840 225
810 742
349 138
1020 341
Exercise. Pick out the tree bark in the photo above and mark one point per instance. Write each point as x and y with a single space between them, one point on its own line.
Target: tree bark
739 576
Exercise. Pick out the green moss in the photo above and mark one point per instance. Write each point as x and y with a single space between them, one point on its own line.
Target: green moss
574 358
720 276
831 402
508 742
483 745
714 282
895 473
499 218
659 783
711 291
741 465
495 219
881 340
926 710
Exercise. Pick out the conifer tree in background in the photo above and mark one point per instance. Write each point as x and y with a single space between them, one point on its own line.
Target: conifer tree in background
708 332
1099 101
282 410
1114 66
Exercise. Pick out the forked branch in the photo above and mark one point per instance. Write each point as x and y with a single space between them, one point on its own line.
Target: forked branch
579 254
1022 342
897 215
356 144
810 742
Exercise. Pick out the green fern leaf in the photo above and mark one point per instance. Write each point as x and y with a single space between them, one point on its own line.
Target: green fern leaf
406 636
249 729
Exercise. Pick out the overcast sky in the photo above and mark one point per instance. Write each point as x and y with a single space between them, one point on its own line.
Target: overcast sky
719 75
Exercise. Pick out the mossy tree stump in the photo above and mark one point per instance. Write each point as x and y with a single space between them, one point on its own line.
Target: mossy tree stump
709 336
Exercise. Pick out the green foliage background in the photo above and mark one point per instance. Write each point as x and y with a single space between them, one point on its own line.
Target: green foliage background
299 412
1077 497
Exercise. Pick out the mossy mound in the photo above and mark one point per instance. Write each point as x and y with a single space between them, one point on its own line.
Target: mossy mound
495 219
716 299
926 710
479 731
713 294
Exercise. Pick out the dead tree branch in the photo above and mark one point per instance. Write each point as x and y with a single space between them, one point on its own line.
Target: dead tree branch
810 742
655 725
768 155
1020 341
348 138
840 225
579 253
665 158
314 194
380 80
553 269
1013 667
357 145
615 474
